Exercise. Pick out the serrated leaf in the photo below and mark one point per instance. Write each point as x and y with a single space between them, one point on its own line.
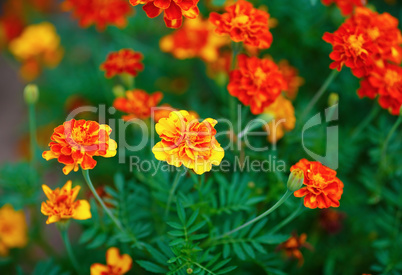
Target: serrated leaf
151 267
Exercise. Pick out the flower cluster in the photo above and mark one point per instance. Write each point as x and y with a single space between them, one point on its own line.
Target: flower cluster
137 104
99 12
244 23
256 82
116 264
36 46
188 142
346 6
174 10
76 142
13 229
61 204
123 61
322 188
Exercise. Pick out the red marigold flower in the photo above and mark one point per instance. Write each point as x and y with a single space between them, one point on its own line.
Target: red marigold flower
256 82
331 220
123 61
244 23
185 141
116 264
346 6
322 188
76 142
292 247
137 103
292 78
174 10
99 12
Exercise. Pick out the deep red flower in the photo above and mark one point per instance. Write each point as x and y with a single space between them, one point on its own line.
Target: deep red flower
123 61
346 6
331 220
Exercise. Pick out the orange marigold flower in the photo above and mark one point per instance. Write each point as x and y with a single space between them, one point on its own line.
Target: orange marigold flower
76 142
194 39
137 104
123 61
331 220
61 204
244 23
187 141
116 264
346 6
292 247
164 110
174 10
284 118
13 229
292 78
322 188
256 82
101 13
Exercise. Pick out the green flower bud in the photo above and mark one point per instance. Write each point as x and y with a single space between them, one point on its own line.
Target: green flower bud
31 94
296 179
118 91
333 99
190 270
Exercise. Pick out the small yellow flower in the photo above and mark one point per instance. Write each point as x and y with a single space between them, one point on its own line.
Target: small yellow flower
61 204
13 229
116 264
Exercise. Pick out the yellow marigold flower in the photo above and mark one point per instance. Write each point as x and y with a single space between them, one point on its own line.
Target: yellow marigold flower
116 264
187 141
284 118
13 229
61 204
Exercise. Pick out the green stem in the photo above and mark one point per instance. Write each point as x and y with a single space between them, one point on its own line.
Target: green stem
388 138
64 235
319 94
32 133
171 192
85 173
374 111
236 48
291 217
263 215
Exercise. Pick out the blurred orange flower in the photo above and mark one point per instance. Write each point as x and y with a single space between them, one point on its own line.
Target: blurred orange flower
123 61
346 6
116 264
164 110
284 118
13 229
185 141
76 142
293 245
101 13
137 103
37 45
194 39
61 204
331 220
322 188
174 10
256 82
292 78
244 23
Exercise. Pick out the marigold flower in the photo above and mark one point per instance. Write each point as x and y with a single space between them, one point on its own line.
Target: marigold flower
322 188
164 110
11 26
174 10
185 141
61 204
13 229
256 82
101 13
116 264
292 78
123 61
137 104
346 6
292 247
244 23
194 39
284 119
76 142
331 220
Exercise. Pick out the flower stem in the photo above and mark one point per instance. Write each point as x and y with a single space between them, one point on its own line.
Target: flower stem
388 138
263 215
64 235
319 94
366 121
85 173
292 216
171 192
32 133
236 48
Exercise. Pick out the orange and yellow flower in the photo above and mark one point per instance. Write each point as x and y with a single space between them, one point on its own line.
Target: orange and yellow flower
256 82
322 188
173 10
284 119
76 142
116 264
292 247
244 23
137 104
164 110
123 61
36 46
101 13
194 39
346 6
13 229
292 78
61 204
188 142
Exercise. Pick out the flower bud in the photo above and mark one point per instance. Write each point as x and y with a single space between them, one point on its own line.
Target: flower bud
190 270
118 91
333 99
296 179
31 94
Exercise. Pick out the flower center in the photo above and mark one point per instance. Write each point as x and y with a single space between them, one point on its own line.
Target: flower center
356 43
319 181
260 76
240 20
79 135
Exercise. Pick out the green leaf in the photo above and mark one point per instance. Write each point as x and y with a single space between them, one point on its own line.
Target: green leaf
151 267
181 212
